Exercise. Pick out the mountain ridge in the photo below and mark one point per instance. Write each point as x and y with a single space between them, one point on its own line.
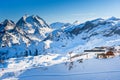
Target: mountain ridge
31 35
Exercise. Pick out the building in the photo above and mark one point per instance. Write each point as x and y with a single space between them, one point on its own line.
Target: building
102 55
101 52
93 53
117 50
110 54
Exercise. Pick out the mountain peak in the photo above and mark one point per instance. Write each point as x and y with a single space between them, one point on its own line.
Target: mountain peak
7 22
7 25
113 18
33 20
98 19
25 17
76 22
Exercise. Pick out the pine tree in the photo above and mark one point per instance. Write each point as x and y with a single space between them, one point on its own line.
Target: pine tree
36 52
30 53
26 53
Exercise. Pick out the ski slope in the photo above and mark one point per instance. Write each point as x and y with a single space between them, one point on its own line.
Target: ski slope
57 67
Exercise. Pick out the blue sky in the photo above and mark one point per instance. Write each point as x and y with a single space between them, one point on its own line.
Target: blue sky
59 10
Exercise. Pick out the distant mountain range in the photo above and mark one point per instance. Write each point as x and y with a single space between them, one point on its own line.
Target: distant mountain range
59 25
31 35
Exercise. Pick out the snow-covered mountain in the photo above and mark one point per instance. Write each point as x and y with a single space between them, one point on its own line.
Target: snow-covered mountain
18 39
59 25
6 31
33 27
7 25
34 46
31 35
98 32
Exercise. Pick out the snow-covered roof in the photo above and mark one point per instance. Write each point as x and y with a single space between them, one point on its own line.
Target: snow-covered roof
94 50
